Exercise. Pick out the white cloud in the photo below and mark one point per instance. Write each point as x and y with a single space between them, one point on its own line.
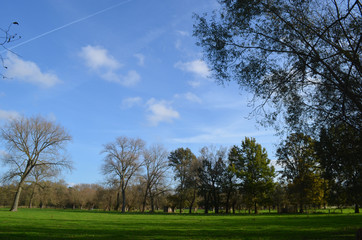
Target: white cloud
130 102
28 71
189 96
197 67
160 111
192 97
194 84
98 59
141 59
5 115
131 79
183 33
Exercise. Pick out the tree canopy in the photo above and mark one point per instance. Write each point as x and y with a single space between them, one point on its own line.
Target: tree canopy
301 59
33 143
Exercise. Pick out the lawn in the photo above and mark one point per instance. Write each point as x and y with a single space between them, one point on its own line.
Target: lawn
69 224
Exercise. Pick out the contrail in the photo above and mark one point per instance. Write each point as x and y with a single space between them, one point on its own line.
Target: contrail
69 24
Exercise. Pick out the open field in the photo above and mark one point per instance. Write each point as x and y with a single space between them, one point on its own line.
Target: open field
68 224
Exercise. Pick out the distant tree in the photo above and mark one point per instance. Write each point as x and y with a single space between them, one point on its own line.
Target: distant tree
32 143
38 176
212 176
301 169
121 163
301 59
156 166
340 151
182 162
251 165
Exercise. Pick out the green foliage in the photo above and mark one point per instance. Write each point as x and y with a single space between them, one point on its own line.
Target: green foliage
43 224
251 165
301 59
301 170
340 152
184 164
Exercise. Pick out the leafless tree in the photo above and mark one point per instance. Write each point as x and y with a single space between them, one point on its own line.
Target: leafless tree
156 166
121 163
38 176
6 37
31 143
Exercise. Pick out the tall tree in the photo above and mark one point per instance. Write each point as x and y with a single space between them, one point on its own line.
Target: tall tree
121 163
301 57
183 162
340 151
251 165
156 166
301 169
212 176
33 143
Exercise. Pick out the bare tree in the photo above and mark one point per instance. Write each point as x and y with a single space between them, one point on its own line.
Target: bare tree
6 37
37 178
156 166
122 163
31 143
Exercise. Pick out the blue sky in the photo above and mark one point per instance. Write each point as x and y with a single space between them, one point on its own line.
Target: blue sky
110 68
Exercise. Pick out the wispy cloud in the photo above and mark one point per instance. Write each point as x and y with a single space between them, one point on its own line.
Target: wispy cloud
27 71
194 84
99 60
141 59
197 67
232 134
160 111
6 115
131 102
182 33
189 96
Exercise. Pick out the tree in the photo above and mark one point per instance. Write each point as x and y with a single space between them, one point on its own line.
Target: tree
340 151
300 165
184 164
251 165
156 166
6 36
301 59
212 176
121 163
33 143
37 176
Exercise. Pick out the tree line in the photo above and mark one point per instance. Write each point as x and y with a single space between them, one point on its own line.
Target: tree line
313 173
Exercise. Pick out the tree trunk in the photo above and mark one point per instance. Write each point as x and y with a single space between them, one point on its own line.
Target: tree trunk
123 200
255 208
32 197
192 202
118 201
152 204
227 204
356 208
14 207
144 202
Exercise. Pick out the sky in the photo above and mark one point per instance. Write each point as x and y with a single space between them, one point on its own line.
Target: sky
104 69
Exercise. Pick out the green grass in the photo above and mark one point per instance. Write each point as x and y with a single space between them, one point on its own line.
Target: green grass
68 224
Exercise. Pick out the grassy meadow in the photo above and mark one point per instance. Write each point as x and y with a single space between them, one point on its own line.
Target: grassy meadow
70 224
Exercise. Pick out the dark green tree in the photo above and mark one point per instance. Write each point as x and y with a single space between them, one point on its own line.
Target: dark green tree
301 59
301 170
251 165
184 164
212 176
340 152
